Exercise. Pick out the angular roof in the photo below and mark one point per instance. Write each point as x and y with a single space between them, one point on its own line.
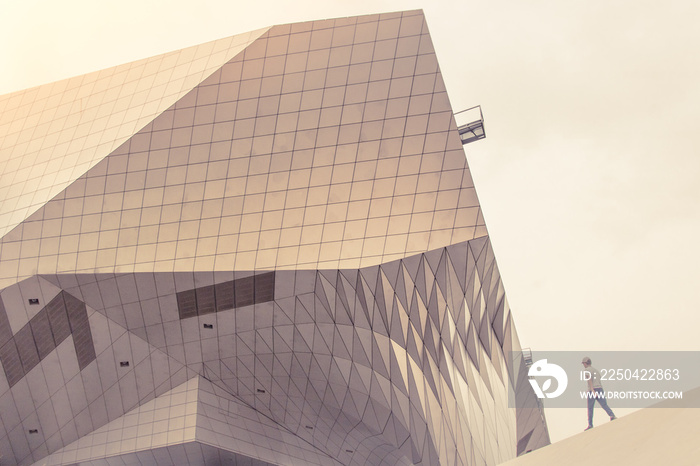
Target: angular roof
53 134
321 144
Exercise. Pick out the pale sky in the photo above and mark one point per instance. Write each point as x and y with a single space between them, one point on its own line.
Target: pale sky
589 177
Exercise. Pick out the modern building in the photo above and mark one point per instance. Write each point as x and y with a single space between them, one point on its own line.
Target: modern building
265 249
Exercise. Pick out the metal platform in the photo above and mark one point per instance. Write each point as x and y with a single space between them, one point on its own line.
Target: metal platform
470 124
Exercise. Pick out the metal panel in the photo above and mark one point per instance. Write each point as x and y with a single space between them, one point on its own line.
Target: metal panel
58 319
245 291
224 296
41 331
205 300
264 287
187 304
80 327
26 347
11 362
63 316
5 329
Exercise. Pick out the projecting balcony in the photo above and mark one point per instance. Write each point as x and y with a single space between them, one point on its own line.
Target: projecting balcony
470 124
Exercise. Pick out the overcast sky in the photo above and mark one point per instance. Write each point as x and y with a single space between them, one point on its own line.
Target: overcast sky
589 175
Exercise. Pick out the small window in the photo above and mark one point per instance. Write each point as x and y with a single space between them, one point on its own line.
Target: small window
33 301
208 325
124 364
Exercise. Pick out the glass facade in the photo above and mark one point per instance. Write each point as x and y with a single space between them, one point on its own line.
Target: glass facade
266 249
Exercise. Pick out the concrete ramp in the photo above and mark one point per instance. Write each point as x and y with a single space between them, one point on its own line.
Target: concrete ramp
652 436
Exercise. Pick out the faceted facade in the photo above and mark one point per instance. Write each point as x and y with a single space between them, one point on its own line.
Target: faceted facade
266 249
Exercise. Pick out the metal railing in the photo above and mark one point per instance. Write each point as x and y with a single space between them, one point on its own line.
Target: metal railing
527 357
470 124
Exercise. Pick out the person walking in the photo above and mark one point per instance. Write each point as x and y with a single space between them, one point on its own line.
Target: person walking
595 392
